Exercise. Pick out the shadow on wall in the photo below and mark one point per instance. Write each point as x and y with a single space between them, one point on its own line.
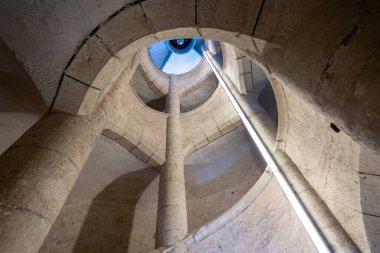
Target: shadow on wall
268 101
219 175
20 103
370 198
259 89
109 223
17 91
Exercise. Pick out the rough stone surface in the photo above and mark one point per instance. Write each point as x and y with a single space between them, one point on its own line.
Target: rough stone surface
172 224
212 172
115 191
89 61
336 158
182 14
369 197
325 54
339 74
37 174
301 27
48 34
278 19
234 16
115 182
124 29
268 225
76 97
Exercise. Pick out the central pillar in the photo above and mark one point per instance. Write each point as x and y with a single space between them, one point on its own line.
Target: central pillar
172 214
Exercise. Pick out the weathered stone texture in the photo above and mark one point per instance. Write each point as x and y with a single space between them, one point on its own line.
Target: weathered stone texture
279 18
88 62
212 173
46 35
326 53
262 227
182 14
37 174
115 192
329 60
75 97
124 28
335 156
234 16
172 225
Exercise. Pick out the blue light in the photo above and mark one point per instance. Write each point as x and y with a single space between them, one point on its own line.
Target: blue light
184 48
177 56
179 64
180 41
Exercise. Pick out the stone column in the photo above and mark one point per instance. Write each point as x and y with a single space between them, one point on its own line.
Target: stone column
37 174
172 213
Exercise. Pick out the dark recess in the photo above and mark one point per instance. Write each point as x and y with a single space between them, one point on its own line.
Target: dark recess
334 127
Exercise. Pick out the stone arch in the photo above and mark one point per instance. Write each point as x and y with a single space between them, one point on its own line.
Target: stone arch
291 52
160 80
280 46
104 56
133 28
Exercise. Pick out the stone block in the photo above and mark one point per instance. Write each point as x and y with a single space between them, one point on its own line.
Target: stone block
111 134
56 125
30 193
235 16
239 40
212 133
89 101
153 163
75 97
125 28
279 18
110 73
200 140
177 33
143 152
246 64
88 62
158 158
182 14
128 145
248 81
23 229
129 141
226 127
188 147
236 121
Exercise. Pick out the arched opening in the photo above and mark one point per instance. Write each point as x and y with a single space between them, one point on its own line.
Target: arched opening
216 178
278 88
317 56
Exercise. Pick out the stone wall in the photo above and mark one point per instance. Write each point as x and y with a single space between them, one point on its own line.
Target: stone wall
267 225
113 205
329 159
20 103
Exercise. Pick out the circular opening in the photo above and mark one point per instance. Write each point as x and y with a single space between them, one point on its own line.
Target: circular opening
180 46
180 41
177 56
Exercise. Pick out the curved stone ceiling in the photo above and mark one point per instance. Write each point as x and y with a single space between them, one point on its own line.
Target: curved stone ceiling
151 82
